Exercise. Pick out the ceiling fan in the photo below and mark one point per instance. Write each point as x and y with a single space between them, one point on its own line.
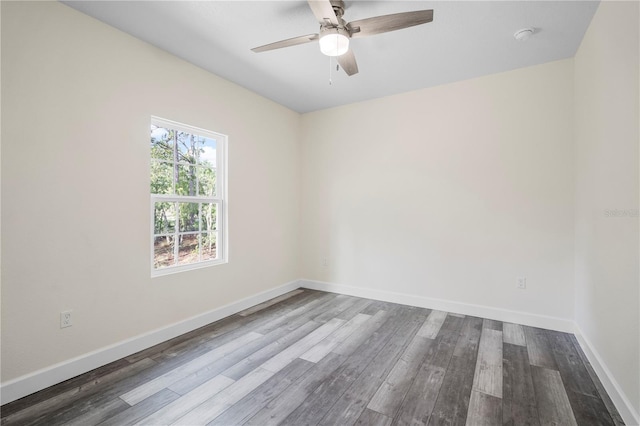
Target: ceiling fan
335 32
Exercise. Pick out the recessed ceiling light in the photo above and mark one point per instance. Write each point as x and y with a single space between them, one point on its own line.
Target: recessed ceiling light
523 34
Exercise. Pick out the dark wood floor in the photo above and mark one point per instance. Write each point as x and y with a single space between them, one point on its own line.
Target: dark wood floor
313 358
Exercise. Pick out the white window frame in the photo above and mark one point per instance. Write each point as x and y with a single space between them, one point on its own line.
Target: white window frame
220 199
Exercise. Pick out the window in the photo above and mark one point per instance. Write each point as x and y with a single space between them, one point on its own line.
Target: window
187 197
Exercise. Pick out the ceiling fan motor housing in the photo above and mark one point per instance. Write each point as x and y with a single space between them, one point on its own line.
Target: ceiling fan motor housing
338 7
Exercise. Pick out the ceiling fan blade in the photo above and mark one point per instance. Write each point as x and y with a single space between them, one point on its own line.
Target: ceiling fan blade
323 11
348 63
286 43
386 23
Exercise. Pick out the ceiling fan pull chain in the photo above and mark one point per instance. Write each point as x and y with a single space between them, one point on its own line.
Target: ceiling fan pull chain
330 81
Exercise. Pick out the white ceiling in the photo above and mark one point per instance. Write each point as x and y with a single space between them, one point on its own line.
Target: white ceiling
465 40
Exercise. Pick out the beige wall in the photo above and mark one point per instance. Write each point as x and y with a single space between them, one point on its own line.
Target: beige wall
449 192
77 97
606 247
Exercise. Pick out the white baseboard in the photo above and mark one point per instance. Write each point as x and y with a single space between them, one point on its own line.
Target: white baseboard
525 318
619 398
41 379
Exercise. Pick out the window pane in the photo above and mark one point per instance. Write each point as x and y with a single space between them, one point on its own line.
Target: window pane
161 178
187 146
209 217
161 143
164 218
186 184
207 152
206 182
163 252
189 220
188 249
208 247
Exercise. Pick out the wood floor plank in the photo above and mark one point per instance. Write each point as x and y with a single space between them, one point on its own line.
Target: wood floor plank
513 334
199 344
100 395
421 397
210 332
345 302
227 329
553 403
589 410
240 412
585 401
348 409
278 409
316 405
602 393
346 347
574 374
292 310
149 388
519 405
291 321
389 397
279 361
203 334
211 370
484 410
467 344
538 348
376 306
98 413
439 354
256 359
132 415
216 405
92 378
488 374
178 408
452 403
391 352
302 313
372 418
268 303
352 396
355 309
453 400
432 325
322 348
492 324
68 397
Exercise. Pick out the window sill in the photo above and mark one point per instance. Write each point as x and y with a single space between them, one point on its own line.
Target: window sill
183 268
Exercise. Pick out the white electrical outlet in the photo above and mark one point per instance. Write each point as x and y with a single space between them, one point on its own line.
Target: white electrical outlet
521 283
325 262
65 319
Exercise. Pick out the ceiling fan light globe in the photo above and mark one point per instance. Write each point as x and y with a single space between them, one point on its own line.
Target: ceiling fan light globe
333 42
